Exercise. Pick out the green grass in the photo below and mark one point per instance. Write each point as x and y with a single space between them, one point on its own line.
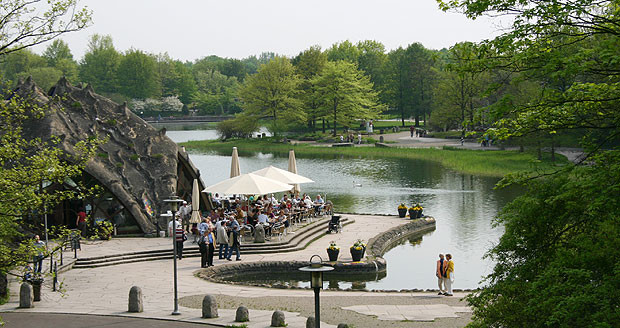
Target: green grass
477 162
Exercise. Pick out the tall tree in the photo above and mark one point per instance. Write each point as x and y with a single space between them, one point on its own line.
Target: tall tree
308 64
58 56
100 63
273 93
346 94
396 91
137 75
372 60
421 78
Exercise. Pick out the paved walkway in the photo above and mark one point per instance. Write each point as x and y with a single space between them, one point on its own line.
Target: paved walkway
104 290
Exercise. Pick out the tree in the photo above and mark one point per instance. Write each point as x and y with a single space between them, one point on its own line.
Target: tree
16 62
346 94
57 50
273 93
308 64
100 63
137 75
557 261
343 51
58 56
372 60
25 23
396 90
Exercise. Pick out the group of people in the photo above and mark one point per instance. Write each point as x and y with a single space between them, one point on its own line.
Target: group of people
223 225
445 274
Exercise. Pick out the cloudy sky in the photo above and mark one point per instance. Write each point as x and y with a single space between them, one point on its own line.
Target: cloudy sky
192 29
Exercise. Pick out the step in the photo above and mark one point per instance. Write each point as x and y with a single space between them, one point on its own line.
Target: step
313 231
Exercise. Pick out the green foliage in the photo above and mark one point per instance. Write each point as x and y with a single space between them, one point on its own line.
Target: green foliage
27 164
137 75
346 94
273 93
240 127
100 64
556 262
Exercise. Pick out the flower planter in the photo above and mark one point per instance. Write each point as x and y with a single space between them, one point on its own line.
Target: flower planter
357 254
333 254
402 212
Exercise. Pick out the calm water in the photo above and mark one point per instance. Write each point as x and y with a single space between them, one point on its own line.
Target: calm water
463 205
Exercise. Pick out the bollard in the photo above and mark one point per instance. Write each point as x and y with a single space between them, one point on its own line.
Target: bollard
311 322
381 139
277 319
242 315
209 307
26 296
135 300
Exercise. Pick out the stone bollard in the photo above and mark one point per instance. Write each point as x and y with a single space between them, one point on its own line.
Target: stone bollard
135 300
209 307
259 234
26 296
343 325
277 319
311 322
381 139
242 315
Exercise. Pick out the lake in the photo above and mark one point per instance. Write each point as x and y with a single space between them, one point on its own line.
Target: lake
464 206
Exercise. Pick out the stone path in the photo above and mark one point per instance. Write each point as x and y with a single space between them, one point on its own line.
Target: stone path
105 290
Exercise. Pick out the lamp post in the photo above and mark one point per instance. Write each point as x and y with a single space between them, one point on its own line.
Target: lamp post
316 268
174 202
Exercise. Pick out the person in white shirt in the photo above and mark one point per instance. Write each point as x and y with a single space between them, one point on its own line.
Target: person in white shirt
308 202
318 203
262 218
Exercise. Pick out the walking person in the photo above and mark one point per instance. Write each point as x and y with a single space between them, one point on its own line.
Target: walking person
180 237
233 241
449 274
411 129
39 247
81 222
211 241
222 239
441 274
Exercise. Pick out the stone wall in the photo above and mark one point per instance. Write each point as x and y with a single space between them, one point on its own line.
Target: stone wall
379 244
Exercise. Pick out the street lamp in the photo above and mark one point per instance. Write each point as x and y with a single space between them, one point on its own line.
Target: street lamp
316 268
174 202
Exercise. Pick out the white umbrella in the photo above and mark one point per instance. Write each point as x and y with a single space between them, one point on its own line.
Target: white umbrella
292 167
282 175
234 165
195 203
248 184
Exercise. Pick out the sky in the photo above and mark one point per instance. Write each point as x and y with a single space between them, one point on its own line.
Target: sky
192 29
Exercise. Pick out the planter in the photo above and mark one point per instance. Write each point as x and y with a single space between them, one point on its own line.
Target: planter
402 212
333 254
415 214
357 254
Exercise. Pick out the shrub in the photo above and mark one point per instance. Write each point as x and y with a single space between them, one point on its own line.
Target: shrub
238 127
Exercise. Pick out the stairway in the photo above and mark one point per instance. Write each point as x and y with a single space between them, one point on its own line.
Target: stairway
303 237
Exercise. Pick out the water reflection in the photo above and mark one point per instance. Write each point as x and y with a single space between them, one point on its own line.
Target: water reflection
464 206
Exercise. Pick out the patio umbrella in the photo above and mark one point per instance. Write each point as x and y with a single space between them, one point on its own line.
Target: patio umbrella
195 203
248 184
292 167
234 165
282 175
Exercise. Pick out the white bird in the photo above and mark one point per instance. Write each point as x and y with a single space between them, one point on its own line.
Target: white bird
357 184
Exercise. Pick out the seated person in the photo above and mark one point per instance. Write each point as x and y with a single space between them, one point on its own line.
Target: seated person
262 218
308 202
253 218
318 203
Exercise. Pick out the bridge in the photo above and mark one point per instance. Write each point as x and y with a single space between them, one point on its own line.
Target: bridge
188 119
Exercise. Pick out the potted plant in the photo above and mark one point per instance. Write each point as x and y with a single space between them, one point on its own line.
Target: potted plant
357 250
332 251
402 210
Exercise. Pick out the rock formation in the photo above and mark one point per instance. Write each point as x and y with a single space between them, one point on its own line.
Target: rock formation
137 164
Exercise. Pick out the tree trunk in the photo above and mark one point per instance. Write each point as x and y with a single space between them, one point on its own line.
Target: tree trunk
539 150
323 125
335 112
552 150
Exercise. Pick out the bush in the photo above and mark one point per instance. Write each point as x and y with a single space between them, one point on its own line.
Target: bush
238 127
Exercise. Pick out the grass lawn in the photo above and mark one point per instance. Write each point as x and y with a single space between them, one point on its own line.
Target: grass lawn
478 162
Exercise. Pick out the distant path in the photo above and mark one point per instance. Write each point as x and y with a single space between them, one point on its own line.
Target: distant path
404 139
27 320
